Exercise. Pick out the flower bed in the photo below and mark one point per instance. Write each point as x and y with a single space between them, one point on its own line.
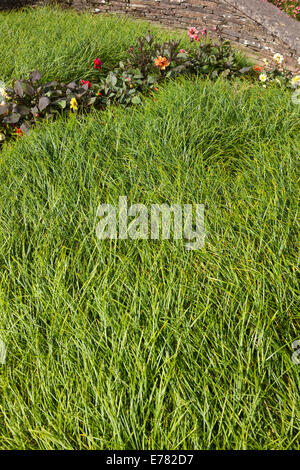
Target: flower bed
148 64
291 7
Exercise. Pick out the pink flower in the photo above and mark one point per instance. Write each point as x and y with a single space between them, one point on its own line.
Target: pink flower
183 51
97 64
204 32
193 32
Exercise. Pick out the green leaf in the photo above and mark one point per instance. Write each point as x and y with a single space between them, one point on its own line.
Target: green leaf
182 55
113 80
136 100
62 103
151 79
92 100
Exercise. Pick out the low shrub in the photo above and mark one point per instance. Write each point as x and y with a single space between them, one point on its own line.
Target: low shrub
28 101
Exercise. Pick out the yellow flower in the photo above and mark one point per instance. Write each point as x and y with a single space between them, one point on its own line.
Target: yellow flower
263 77
266 62
278 58
73 104
296 80
2 137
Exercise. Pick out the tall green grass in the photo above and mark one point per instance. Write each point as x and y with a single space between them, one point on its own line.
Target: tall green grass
142 344
59 42
63 44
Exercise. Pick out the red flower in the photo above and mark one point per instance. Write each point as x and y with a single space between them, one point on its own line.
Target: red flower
97 64
19 132
86 82
258 68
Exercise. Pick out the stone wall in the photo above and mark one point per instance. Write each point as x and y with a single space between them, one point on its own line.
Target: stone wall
258 26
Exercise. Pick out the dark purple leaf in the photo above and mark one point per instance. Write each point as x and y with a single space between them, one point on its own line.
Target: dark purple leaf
72 85
43 103
245 69
25 127
34 110
35 76
23 110
23 88
19 89
3 109
12 118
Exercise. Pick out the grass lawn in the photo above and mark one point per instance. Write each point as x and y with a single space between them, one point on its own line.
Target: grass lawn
142 344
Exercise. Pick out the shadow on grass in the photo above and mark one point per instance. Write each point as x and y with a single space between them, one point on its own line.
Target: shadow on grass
7 5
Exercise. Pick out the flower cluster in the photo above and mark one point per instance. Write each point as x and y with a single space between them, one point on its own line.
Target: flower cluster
29 101
194 33
275 72
291 7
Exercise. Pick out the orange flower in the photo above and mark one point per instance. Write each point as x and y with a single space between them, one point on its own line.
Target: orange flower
19 132
258 68
161 62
